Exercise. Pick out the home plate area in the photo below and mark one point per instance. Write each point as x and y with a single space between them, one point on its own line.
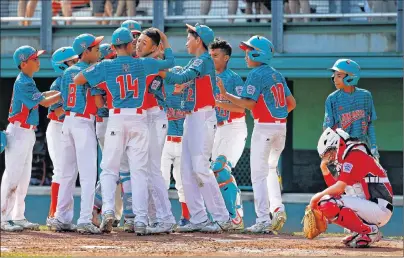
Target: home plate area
118 243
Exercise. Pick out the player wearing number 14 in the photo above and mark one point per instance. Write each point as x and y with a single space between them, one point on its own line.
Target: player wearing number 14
124 81
267 95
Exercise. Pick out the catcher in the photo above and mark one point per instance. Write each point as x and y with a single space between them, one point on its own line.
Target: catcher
367 203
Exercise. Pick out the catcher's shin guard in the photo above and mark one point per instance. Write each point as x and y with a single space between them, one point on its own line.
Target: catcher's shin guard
336 213
228 187
126 195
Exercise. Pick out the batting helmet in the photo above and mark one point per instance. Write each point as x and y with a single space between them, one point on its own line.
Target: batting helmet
106 51
3 141
261 49
330 139
350 68
132 25
61 56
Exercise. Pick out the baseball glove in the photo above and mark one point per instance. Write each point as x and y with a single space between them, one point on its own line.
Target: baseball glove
314 223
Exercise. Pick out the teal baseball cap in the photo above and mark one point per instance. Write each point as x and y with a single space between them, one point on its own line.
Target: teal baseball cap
122 36
132 25
106 51
25 53
84 41
205 33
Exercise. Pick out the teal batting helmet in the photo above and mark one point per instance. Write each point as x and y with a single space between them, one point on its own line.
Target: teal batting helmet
3 141
261 49
350 68
61 56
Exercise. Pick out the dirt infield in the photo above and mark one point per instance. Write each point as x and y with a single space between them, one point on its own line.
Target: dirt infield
46 243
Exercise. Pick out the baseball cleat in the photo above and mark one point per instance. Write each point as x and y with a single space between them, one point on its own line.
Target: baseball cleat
217 227
191 227
140 228
348 239
59 226
365 240
49 222
278 219
108 219
25 224
237 224
88 229
264 227
96 218
9 226
183 222
129 225
160 228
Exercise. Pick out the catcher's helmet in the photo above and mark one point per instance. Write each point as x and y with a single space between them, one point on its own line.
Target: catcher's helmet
351 68
330 139
262 50
60 56
3 141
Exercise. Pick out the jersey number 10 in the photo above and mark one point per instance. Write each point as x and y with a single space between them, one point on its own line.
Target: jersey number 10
128 85
279 95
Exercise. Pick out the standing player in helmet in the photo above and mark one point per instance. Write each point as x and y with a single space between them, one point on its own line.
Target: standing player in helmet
136 30
267 95
367 202
349 107
62 59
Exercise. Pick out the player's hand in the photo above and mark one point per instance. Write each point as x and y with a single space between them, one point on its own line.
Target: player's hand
179 88
219 84
162 74
315 199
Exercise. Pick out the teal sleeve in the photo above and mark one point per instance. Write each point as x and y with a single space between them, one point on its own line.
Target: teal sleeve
328 116
152 65
95 74
29 95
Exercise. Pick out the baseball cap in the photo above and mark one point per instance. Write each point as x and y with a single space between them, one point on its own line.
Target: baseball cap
132 25
84 41
121 36
25 53
204 32
106 51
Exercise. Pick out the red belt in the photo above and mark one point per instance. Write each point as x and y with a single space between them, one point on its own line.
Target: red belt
177 139
52 116
99 119
272 121
68 113
26 126
118 111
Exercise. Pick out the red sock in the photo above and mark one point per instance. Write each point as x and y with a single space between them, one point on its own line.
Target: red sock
185 211
54 199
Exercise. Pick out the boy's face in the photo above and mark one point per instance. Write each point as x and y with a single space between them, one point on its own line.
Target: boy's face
145 46
192 44
72 62
31 65
219 58
94 54
339 79
250 63
329 156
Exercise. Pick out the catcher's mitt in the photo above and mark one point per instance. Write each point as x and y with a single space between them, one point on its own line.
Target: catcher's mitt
314 223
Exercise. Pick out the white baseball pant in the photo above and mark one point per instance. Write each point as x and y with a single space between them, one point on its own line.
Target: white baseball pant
157 124
199 182
16 177
53 138
267 144
127 132
230 140
172 156
100 129
79 151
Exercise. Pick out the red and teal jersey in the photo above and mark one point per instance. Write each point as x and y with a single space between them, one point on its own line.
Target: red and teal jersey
234 85
77 98
56 85
175 113
25 100
124 78
268 88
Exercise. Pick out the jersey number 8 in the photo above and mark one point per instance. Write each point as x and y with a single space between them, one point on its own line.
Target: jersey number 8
128 85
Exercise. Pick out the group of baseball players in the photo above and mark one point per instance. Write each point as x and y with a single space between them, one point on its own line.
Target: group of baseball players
149 115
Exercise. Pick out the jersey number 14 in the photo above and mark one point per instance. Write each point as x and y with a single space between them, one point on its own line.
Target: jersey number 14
126 84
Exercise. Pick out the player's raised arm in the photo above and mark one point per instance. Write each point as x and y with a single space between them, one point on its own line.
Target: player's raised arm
249 96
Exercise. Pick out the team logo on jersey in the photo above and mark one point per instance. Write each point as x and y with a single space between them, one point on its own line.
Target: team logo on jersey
274 77
197 62
125 68
239 90
347 167
155 85
250 89
36 96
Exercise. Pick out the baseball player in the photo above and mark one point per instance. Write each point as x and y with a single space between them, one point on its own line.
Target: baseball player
231 132
125 84
349 107
78 144
62 59
20 136
173 145
199 182
267 95
136 30
367 203
101 118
